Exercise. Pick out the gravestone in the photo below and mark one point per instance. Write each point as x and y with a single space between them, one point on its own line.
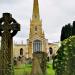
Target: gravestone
39 63
8 28
36 69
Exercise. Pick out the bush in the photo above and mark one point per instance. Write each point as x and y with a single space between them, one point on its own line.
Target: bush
64 61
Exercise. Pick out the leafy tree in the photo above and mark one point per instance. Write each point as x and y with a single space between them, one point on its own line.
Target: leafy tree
66 32
73 28
64 61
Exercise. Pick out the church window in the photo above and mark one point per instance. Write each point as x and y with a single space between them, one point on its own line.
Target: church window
51 50
21 51
37 45
35 16
35 28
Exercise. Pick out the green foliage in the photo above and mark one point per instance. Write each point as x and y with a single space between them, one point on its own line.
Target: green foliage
64 61
66 32
73 28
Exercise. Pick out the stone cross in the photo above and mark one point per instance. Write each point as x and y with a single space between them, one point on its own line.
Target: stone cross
8 28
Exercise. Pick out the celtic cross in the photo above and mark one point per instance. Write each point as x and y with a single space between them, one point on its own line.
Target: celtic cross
8 28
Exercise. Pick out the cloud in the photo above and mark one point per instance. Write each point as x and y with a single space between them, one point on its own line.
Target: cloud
54 14
9 1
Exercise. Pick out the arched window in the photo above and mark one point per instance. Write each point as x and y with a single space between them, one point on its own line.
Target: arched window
21 51
37 46
51 50
35 28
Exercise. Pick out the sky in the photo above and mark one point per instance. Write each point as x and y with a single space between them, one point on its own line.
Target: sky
54 15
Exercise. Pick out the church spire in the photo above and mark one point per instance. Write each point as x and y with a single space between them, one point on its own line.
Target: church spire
36 9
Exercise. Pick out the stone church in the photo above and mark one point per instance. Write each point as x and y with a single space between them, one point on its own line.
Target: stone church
36 41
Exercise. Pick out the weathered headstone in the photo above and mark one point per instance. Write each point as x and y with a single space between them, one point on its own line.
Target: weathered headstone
8 28
39 63
36 69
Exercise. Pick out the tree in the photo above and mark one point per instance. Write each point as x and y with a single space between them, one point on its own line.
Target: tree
73 28
64 61
66 32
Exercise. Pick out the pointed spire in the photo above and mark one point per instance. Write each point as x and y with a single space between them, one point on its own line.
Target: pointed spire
36 9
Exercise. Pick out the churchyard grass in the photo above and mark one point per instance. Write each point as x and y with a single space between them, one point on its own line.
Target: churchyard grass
22 69
25 69
50 70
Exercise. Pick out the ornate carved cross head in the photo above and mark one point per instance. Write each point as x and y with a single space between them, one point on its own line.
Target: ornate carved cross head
8 24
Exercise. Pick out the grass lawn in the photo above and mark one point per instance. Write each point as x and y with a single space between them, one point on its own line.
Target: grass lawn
50 70
22 69
25 69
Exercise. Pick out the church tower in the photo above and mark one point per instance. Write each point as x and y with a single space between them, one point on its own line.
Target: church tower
36 41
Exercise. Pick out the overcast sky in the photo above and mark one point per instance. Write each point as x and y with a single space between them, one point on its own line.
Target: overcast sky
54 15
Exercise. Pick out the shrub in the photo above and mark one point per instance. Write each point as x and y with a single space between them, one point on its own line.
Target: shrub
64 61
